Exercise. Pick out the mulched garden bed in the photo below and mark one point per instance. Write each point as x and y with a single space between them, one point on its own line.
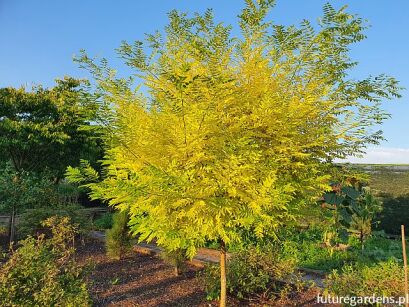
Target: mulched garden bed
143 280
138 280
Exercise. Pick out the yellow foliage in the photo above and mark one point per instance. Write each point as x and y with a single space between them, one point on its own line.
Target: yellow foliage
231 133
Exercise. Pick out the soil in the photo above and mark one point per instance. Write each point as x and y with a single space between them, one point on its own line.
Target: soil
4 242
145 280
139 280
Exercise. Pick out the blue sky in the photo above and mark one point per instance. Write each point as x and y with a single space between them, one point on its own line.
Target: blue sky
39 39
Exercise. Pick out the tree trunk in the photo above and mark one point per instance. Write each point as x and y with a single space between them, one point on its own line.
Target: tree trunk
177 270
12 225
361 238
223 281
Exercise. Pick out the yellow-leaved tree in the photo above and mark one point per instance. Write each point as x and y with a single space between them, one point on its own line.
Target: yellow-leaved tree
226 133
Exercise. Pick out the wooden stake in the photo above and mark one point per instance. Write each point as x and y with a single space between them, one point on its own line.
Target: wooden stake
223 281
405 264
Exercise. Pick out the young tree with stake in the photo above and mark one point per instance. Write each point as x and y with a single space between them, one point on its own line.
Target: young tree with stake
231 133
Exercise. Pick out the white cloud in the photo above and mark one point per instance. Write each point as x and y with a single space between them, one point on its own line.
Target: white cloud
383 155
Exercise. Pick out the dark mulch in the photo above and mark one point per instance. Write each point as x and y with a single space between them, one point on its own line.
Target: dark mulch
141 280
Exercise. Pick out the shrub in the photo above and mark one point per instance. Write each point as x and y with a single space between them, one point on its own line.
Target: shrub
367 207
384 279
105 221
379 248
118 239
307 248
30 221
3 230
176 258
252 270
42 272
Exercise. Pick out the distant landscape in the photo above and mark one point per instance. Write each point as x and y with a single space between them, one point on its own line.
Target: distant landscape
391 183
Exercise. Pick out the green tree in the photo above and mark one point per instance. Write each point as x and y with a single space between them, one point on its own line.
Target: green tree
231 132
42 131
21 190
46 129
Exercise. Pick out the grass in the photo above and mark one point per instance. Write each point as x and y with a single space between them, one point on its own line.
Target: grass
308 250
306 247
105 221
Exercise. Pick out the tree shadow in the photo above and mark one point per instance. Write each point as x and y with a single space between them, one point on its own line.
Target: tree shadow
193 299
154 290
